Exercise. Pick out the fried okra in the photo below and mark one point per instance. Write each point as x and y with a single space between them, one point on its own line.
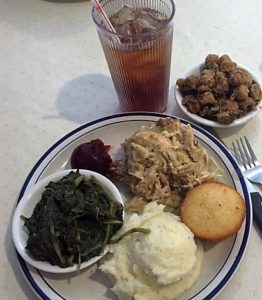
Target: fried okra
222 91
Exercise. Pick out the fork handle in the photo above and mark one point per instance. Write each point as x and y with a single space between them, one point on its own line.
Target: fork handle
257 208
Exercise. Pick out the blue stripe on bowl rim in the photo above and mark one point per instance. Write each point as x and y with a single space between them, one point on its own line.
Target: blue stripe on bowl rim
248 223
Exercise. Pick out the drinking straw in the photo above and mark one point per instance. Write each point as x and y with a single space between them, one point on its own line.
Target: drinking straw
105 18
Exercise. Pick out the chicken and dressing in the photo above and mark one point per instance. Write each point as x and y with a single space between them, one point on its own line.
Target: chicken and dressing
162 163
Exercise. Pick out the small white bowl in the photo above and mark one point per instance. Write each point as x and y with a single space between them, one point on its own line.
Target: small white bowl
196 71
26 206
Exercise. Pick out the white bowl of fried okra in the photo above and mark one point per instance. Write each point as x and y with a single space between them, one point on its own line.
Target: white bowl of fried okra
219 93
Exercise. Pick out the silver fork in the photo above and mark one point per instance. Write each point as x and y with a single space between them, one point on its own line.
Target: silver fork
247 160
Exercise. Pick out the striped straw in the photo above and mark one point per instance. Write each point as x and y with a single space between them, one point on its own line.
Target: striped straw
105 18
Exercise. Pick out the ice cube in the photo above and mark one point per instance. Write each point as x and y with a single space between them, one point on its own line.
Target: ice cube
124 15
132 21
153 17
132 27
145 24
160 16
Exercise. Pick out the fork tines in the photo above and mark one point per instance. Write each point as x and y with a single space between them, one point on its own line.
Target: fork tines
245 155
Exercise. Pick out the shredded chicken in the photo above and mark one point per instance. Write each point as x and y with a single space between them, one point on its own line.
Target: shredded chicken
162 164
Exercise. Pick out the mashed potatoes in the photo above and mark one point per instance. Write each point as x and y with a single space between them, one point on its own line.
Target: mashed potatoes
160 265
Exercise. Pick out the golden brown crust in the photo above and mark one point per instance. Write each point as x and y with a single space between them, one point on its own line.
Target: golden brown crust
213 211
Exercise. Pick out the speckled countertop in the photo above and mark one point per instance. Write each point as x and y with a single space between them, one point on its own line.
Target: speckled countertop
53 77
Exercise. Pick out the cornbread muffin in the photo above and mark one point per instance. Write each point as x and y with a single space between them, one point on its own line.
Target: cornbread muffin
213 211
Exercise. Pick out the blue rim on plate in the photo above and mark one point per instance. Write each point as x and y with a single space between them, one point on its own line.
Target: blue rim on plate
140 115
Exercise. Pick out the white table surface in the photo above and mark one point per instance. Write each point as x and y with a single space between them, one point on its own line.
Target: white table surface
53 78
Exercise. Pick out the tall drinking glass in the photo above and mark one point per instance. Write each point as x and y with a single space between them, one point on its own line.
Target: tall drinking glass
138 54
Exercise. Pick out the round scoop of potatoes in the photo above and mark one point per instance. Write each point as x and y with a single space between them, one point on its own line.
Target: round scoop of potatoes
213 211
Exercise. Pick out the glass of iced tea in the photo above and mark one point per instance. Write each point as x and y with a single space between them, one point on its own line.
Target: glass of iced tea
138 53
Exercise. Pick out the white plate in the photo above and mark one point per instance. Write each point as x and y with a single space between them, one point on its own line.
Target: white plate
238 122
221 260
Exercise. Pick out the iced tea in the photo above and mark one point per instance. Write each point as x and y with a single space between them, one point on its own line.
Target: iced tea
139 55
